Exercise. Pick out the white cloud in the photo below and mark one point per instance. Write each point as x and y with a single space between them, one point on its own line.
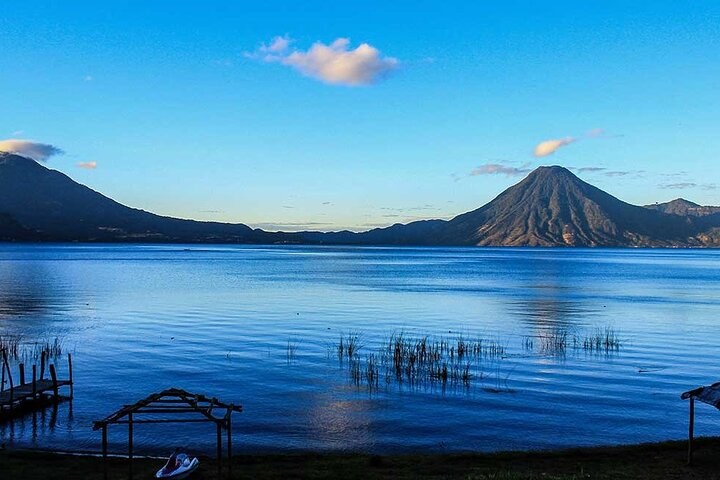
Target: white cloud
499 169
684 185
88 78
87 165
278 45
335 63
589 169
548 147
27 148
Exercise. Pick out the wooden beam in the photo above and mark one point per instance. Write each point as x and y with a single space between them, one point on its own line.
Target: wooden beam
165 420
34 380
166 410
21 367
42 365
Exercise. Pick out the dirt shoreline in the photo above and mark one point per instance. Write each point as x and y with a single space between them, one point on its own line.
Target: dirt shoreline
666 460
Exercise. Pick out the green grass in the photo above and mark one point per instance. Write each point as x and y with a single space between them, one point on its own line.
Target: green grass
642 462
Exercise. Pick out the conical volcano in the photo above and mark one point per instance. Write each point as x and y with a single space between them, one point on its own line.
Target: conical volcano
553 207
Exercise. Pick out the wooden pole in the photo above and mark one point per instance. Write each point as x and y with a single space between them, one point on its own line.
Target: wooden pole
53 376
691 430
104 442
22 374
229 437
219 443
130 436
9 374
42 365
104 451
70 374
34 384
2 384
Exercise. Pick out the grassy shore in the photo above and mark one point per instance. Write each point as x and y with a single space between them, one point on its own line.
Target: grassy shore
648 461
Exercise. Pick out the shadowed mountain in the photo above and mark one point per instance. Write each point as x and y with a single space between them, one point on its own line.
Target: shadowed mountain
38 203
550 207
683 207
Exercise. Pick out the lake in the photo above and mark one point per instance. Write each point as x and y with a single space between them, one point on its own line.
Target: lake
260 326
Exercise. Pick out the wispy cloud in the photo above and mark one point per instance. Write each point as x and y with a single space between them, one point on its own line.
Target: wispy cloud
88 78
608 173
277 46
548 147
291 226
588 169
40 152
500 169
686 185
417 208
87 165
678 185
335 63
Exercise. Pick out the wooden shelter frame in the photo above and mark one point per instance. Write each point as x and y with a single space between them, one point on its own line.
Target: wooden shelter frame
173 401
709 395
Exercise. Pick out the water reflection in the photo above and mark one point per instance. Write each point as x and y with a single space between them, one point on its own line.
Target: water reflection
246 300
340 424
40 423
549 306
24 289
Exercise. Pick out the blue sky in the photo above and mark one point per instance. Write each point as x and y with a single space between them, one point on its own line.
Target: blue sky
187 114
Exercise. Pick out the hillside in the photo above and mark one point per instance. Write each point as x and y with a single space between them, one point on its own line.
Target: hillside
683 207
550 207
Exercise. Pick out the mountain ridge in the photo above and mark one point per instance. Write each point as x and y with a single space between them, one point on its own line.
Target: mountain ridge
683 207
549 207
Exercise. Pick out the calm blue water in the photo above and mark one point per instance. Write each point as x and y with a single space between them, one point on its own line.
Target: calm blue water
217 320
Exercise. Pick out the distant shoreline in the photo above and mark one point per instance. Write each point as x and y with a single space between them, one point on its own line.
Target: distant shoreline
363 245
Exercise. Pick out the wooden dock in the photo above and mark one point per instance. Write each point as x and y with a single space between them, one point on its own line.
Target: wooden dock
33 394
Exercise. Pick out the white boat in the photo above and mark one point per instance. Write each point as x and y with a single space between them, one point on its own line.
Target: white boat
178 466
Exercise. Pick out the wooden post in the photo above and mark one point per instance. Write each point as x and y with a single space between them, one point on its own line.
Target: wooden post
104 442
691 430
42 365
229 436
22 374
53 376
2 383
9 374
72 390
219 443
130 436
34 384
104 451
